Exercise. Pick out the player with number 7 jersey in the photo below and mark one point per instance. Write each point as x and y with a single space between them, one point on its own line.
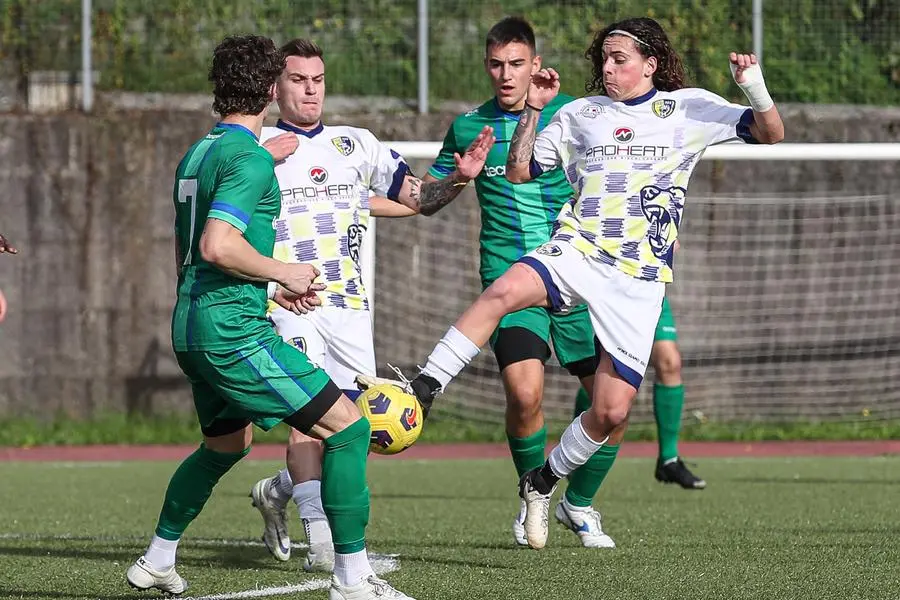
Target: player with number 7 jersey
229 192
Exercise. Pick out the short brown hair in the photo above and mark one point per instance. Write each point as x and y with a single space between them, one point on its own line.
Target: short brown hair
243 70
302 48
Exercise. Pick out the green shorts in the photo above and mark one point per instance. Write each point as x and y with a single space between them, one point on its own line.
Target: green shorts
263 383
571 333
665 327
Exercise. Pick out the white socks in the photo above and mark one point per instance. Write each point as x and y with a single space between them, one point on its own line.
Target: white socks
282 487
574 449
350 569
308 496
450 356
161 553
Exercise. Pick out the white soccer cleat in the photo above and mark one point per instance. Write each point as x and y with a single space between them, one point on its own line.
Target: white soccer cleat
518 526
275 534
142 576
370 588
586 523
537 511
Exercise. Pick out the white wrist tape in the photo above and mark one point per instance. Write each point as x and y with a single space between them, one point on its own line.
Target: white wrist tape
270 289
754 88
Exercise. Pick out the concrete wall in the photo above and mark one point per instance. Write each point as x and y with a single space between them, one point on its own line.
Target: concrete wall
88 202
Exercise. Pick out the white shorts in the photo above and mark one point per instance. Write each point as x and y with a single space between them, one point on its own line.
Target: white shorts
339 340
624 310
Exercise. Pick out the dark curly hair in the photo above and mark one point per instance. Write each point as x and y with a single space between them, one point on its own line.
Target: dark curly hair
243 71
669 75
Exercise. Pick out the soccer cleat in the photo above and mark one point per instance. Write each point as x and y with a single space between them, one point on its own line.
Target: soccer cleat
364 382
275 534
424 387
142 576
586 523
537 510
370 588
320 556
675 471
518 526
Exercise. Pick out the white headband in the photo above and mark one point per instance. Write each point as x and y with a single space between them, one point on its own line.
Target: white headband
627 34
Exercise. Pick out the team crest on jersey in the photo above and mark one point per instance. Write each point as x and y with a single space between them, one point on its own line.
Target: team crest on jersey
623 134
663 208
344 144
549 250
299 343
591 111
318 175
663 108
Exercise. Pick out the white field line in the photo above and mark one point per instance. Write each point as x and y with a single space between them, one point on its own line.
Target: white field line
381 563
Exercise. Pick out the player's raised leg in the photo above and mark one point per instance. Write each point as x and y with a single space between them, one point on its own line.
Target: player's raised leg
668 404
520 287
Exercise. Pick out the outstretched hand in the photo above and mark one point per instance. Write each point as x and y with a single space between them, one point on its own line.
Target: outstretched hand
543 88
470 164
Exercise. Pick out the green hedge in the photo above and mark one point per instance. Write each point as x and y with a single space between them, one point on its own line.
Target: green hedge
821 51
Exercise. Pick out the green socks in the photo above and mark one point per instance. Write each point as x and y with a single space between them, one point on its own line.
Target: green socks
190 487
668 402
528 452
345 496
586 479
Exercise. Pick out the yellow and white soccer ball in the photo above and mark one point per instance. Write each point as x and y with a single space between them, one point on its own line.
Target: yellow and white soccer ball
394 415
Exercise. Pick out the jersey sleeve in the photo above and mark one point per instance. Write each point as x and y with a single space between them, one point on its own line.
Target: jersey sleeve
445 164
386 168
720 120
551 146
242 184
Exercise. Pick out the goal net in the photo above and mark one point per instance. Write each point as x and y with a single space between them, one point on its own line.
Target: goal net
787 295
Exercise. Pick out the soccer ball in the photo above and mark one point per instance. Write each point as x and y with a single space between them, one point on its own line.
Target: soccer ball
394 415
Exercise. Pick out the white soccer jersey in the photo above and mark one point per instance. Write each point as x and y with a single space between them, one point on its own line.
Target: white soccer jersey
629 163
325 203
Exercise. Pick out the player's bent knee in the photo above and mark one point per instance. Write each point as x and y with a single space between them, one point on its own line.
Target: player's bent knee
228 435
667 362
297 437
319 405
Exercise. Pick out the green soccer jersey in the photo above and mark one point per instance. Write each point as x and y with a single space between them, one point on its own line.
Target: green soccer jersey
515 218
225 176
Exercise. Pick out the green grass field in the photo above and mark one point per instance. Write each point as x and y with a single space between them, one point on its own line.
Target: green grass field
768 529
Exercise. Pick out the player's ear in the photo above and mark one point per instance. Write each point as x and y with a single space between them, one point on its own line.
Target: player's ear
536 64
273 92
650 66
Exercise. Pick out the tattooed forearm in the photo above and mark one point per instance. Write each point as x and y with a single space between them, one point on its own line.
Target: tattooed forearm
432 196
521 146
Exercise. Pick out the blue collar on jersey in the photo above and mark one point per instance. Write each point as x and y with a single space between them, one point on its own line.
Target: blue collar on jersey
504 112
236 127
640 99
311 133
